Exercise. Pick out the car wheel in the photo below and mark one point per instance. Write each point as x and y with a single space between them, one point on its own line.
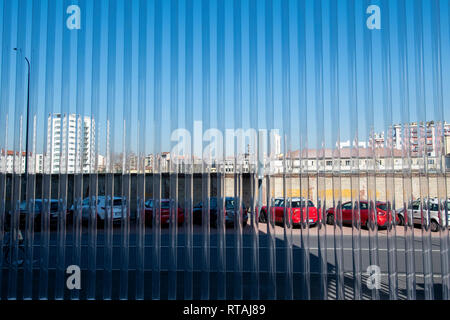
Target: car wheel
37 224
330 219
401 220
434 226
100 222
197 220
263 216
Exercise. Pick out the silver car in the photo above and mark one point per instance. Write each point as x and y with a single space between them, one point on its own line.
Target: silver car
433 206
117 203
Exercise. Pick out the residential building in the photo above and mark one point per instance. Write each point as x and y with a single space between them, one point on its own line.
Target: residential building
72 138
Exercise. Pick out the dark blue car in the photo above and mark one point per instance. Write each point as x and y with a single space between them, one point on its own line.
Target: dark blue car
38 208
230 210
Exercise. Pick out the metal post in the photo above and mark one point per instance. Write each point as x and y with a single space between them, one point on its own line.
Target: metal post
28 110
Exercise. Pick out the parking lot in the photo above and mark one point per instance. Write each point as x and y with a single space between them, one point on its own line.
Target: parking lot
309 251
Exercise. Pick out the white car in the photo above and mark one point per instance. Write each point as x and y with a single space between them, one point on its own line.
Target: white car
433 205
101 209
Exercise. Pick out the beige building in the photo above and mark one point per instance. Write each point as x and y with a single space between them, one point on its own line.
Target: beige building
447 144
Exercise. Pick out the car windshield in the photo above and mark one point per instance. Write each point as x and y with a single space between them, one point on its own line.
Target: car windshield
382 206
302 204
23 205
229 204
347 206
37 206
149 203
86 202
295 203
165 204
117 202
278 203
54 206
415 205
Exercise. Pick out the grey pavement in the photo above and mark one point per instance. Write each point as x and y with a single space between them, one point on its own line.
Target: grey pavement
302 255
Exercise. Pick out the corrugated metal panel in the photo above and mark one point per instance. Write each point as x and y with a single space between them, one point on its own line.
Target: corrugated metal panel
211 149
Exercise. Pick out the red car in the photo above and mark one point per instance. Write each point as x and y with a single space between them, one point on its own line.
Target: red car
165 212
347 213
298 205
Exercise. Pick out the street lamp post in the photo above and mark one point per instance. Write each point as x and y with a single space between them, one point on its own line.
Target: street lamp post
28 111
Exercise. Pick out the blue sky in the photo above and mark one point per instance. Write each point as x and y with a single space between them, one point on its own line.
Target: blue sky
69 77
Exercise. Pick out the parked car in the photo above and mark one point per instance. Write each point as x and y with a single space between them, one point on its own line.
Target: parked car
38 208
165 212
297 210
347 213
230 203
101 209
433 205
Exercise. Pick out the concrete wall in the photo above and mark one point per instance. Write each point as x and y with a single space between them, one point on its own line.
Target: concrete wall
385 187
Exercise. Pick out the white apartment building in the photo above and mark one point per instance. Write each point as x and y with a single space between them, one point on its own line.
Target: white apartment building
428 137
70 144
447 140
72 139
276 141
37 161
9 162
